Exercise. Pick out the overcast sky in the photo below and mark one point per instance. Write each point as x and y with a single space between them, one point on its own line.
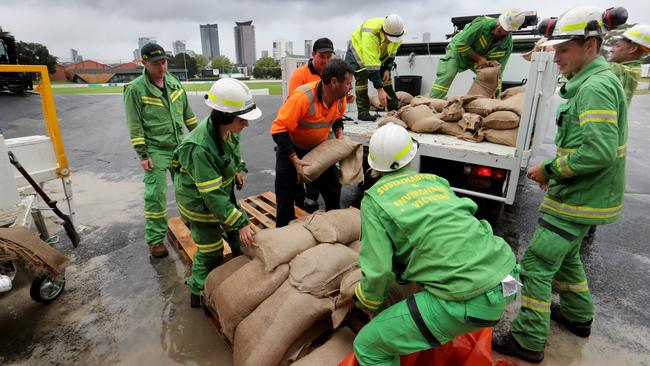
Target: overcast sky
108 31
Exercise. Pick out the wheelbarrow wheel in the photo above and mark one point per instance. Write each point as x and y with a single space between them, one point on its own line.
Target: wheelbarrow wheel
46 289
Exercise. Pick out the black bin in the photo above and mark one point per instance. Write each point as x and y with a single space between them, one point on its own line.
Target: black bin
409 83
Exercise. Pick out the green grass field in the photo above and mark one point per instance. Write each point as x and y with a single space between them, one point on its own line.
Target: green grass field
275 88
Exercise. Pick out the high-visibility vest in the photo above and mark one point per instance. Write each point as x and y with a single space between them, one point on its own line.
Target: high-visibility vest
301 76
306 117
368 45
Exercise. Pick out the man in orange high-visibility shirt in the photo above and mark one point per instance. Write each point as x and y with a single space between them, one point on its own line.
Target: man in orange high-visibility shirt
304 122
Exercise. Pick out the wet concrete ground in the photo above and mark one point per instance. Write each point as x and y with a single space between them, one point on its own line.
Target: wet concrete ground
120 307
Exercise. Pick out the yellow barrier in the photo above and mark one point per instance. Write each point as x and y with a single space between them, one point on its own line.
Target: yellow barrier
49 112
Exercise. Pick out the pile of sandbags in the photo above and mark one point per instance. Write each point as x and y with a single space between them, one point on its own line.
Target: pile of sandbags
347 153
280 306
473 118
486 81
403 99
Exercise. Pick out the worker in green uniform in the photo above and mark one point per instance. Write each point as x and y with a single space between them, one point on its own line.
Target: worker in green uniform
625 60
371 53
484 39
208 166
585 183
156 109
415 229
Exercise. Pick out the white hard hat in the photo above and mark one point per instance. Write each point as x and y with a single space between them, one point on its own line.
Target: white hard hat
393 27
391 147
580 22
233 97
639 34
512 20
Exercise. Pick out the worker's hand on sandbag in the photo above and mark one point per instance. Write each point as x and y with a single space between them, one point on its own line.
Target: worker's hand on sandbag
240 181
536 173
350 98
480 62
383 97
338 133
147 164
385 76
299 165
246 235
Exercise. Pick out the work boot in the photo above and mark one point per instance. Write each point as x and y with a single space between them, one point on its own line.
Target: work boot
366 116
507 345
158 250
195 301
581 329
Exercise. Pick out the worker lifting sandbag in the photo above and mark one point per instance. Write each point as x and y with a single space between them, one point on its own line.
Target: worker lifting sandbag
487 80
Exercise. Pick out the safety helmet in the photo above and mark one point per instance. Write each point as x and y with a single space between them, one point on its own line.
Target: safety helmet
580 22
512 20
393 27
391 147
639 34
231 96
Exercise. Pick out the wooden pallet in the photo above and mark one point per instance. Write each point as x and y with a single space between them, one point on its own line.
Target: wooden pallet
260 210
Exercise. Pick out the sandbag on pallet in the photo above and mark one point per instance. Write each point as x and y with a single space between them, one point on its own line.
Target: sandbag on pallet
263 338
453 110
275 246
514 103
328 153
307 343
335 226
486 81
332 352
243 291
481 106
501 120
392 119
319 270
435 104
503 137
217 276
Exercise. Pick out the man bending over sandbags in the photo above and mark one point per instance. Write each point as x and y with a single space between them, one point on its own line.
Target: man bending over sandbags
484 39
303 122
415 229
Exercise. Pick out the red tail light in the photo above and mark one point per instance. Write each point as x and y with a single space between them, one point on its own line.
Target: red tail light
484 171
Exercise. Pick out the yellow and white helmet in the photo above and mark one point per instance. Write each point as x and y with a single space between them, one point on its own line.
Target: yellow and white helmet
393 27
512 20
231 96
639 34
580 22
391 147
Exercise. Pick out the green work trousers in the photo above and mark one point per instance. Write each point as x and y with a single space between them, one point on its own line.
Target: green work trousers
394 331
361 91
208 238
155 196
553 253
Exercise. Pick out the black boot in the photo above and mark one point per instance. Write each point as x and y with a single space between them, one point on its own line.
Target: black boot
581 329
195 301
507 345
366 116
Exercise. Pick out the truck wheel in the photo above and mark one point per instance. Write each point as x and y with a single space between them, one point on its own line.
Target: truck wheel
46 289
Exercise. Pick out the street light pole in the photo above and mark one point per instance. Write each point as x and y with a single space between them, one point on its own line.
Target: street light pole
187 77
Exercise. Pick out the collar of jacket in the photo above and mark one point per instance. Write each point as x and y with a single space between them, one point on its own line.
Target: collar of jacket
570 89
312 69
319 91
153 89
631 63
401 171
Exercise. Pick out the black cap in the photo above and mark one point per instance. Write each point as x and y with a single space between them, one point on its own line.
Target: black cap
152 52
323 45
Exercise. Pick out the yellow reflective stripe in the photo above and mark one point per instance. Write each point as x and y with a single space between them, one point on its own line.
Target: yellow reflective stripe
563 166
208 248
462 48
234 103
581 211
367 303
572 286
483 41
235 214
563 151
152 101
405 150
209 186
138 141
155 215
572 27
439 87
361 87
496 54
197 216
191 121
534 304
621 151
640 35
598 115
175 95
